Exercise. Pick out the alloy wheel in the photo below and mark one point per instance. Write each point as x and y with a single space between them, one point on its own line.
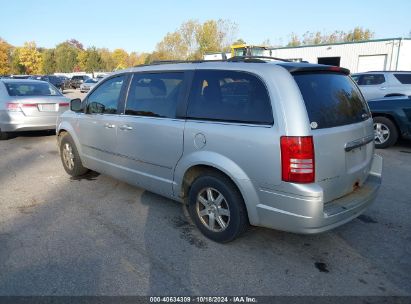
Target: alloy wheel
213 210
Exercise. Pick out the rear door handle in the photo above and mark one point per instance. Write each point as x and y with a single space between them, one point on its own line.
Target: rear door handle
383 88
125 127
109 126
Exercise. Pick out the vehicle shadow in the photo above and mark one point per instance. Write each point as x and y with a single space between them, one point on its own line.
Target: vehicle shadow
13 135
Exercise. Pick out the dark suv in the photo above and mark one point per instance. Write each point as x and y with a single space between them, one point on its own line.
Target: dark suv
392 119
54 80
77 80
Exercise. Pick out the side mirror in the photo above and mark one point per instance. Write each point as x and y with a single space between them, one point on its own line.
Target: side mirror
76 105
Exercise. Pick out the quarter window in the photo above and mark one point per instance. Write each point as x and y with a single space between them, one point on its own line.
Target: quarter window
403 78
371 79
229 96
154 94
104 100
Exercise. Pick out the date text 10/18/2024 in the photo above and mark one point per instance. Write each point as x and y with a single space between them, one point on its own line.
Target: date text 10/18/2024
239 299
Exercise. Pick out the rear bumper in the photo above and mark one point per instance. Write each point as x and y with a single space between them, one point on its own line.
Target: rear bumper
311 214
15 122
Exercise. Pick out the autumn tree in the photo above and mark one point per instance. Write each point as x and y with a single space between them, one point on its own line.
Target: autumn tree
5 50
173 47
107 61
315 38
82 57
31 58
188 35
75 43
359 34
120 58
294 40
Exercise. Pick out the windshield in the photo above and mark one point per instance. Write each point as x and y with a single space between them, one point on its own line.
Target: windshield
31 89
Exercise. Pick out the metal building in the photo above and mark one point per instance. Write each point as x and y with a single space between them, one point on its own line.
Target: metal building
392 54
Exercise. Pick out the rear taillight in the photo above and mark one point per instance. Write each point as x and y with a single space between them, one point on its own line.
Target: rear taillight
17 107
64 104
13 107
297 159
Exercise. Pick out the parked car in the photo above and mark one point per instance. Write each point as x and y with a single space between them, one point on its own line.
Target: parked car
375 85
392 119
66 82
77 80
27 105
55 81
19 76
291 148
87 85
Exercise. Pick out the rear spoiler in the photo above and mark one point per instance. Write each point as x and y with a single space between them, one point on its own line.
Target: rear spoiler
307 68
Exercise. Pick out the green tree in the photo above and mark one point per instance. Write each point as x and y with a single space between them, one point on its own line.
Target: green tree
239 41
66 57
49 62
31 58
94 61
5 56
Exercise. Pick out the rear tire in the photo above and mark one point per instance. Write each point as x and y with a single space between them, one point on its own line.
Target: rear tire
385 132
70 156
4 135
217 207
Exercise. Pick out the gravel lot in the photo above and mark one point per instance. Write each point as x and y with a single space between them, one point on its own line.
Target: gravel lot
99 236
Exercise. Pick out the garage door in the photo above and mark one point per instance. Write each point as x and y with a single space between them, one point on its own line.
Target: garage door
371 63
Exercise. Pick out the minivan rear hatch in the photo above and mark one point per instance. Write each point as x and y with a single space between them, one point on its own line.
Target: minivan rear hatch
342 129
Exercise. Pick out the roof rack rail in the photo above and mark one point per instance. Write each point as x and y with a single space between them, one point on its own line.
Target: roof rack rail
255 59
232 59
158 62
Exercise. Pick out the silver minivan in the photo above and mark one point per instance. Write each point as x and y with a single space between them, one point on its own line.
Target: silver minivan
276 144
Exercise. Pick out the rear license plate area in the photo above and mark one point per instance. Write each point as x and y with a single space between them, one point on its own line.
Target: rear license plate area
48 107
356 159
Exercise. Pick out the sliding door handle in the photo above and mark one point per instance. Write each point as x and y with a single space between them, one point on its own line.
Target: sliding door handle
109 126
126 128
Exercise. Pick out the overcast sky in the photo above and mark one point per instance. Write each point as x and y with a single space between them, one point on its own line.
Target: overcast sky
139 25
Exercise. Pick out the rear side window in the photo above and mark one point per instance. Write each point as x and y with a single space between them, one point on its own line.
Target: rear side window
154 94
331 99
229 96
403 78
371 79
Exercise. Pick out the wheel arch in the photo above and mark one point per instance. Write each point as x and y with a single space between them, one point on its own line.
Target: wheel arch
188 170
390 117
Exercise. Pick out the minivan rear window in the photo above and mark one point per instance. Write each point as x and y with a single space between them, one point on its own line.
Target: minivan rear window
331 99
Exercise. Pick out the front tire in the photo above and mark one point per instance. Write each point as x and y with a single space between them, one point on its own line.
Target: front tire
385 132
217 208
70 156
